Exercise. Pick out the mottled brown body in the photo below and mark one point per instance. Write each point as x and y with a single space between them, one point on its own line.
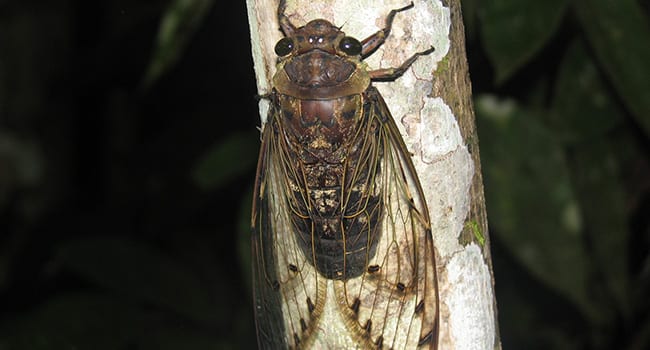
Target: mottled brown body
319 94
325 144
337 203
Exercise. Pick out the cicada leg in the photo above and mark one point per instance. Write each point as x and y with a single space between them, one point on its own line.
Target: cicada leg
393 73
287 28
371 43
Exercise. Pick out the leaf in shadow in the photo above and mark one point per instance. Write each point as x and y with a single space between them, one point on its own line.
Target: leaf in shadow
179 338
530 199
618 32
513 31
178 25
227 160
76 321
584 112
581 108
244 241
137 271
594 170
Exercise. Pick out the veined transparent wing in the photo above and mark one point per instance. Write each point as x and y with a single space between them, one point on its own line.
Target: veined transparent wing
394 303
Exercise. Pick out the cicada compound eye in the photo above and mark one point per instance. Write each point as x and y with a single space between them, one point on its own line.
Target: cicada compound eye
350 46
284 47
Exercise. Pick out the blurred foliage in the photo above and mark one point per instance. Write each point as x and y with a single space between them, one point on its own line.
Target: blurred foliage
128 145
179 23
128 150
561 94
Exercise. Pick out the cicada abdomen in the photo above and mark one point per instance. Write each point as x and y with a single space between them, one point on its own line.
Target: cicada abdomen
342 247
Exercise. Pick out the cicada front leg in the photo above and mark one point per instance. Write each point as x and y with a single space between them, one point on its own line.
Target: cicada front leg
371 43
389 74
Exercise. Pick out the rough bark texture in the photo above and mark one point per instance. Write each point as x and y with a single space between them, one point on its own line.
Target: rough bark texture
432 106
453 84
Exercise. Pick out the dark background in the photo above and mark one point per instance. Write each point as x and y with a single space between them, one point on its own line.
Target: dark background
128 145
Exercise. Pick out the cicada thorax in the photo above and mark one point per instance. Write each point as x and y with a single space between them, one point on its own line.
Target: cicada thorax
323 114
320 62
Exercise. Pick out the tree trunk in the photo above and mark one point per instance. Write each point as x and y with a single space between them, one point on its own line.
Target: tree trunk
431 104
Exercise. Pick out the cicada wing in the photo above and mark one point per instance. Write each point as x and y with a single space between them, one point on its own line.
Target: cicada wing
289 293
394 304
410 211
266 290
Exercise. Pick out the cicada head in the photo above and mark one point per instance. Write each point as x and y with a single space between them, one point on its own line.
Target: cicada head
318 60
318 34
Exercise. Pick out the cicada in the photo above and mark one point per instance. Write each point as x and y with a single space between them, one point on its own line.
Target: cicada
343 253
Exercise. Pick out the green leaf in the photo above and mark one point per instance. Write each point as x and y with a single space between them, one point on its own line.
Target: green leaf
178 25
140 272
76 321
514 31
618 32
529 196
227 160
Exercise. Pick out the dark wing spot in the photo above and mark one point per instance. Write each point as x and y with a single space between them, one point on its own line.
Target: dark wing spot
373 268
368 326
419 307
400 286
293 268
310 305
380 342
355 306
296 338
426 339
303 324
